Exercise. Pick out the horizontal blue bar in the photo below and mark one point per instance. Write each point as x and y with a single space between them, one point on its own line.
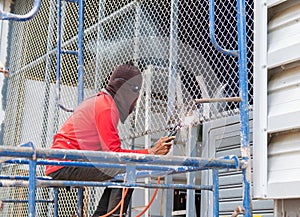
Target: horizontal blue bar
89 164
26 201
154 171
71 52
64 183
119 158
24 177
74 1
60 183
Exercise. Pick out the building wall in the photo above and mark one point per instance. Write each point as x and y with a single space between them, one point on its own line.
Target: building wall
222 138
277 104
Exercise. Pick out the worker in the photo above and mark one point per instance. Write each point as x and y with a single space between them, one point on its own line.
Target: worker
93 126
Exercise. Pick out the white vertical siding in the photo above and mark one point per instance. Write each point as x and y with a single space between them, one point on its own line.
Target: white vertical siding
222 138
284 100
283 104
284 169
283 36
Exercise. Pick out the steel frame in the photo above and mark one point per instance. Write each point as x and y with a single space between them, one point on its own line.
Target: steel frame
28 154
241 54
131 161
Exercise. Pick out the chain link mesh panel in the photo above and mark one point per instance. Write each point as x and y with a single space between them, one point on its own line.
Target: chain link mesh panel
168 40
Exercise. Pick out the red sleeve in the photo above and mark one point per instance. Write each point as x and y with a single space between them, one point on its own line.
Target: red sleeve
107 120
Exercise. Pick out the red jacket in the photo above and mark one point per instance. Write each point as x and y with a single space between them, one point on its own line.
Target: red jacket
92 126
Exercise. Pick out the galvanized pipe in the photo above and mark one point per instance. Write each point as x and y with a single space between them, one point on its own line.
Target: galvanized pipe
173 62
99 47
48 70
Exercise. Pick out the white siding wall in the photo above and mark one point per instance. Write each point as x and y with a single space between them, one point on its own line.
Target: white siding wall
277 138
222 138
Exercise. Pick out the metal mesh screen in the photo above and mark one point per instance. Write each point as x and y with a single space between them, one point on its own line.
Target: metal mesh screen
168 40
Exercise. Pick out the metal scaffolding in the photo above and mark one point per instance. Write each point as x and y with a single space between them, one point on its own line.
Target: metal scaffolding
136 165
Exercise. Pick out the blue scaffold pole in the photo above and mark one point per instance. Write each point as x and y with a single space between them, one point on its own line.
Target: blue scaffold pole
80 51
80 202
55 202
216 192
32 188
244 111
212 31
119 158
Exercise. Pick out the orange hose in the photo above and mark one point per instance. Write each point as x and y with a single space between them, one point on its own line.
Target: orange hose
122 202
150 202
119 204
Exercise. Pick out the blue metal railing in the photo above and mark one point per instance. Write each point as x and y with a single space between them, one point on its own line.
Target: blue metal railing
212 31
241 53
132 162
171 165
117 158
17 17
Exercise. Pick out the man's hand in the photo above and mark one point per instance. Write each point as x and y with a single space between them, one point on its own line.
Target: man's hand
162 146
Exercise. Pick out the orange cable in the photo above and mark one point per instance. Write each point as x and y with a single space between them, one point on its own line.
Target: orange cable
114 209
122 202
152 199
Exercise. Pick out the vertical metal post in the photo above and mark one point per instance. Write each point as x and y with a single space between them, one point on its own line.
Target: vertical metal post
137 31
147 83
80 202
130 173
191 151
135 58
244 112
168 193
58 49
55 202
260 96
216 192
32 187
100 46
58 60
173 59
48 70
80 51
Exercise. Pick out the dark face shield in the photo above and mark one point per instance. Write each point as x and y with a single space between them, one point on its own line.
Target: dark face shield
127 95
